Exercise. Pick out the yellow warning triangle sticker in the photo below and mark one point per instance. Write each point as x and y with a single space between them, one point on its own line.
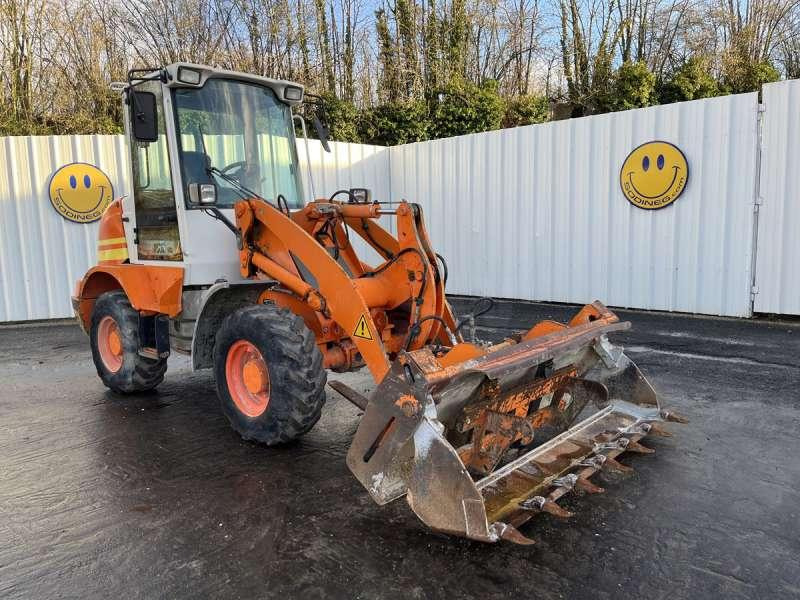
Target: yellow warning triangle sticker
362 329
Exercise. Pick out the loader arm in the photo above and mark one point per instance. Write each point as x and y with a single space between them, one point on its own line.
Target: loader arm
387 246
397 306
263 228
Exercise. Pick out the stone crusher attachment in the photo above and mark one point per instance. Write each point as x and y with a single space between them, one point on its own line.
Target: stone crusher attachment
479 446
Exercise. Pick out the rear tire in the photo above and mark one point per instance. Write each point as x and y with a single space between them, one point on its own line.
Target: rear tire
114 337
269 374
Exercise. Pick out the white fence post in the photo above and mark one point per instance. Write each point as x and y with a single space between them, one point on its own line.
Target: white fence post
778 255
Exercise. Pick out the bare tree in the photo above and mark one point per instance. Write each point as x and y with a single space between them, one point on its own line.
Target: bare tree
59 56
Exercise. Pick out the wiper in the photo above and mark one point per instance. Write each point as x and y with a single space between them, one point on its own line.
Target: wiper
243 191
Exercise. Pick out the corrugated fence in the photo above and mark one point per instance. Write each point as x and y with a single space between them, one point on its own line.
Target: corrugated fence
536 212
533 212
42 254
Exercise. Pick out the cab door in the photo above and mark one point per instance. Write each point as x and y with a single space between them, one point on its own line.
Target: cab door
156 235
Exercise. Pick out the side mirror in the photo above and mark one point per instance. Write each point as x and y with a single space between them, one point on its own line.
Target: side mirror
360 195
323 132
203 194
143 114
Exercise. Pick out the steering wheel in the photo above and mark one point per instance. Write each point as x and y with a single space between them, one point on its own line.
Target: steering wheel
234 165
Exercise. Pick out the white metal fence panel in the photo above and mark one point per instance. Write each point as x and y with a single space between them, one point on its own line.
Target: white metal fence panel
42 255
537 212
344 167
778 251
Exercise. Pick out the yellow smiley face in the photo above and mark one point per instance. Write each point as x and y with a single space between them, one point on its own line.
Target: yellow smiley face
80 192
654 175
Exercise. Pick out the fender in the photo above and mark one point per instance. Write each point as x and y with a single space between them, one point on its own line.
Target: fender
150 288
220 300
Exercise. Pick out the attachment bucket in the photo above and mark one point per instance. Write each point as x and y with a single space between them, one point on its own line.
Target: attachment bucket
480 445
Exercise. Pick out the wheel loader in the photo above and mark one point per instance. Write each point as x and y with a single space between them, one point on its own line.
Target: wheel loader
215 254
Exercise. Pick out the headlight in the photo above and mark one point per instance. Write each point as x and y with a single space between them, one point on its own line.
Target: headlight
293 93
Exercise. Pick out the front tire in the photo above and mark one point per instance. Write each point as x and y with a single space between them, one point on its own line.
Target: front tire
269 374
114 337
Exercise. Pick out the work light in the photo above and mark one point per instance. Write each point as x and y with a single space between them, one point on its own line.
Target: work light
189 76
293 93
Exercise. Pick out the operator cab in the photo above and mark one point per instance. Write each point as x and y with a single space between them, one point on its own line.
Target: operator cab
202 139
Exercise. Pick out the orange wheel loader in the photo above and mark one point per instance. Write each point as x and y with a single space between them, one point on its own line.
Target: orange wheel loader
215 254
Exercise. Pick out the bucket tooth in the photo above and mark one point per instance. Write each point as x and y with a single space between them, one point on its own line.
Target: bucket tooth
540 503
617 444
612 464
635 429
658 430
593 462
567 481
582 483
637 447
509 533
669 415
554 509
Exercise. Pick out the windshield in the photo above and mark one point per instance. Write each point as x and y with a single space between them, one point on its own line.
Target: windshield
244 131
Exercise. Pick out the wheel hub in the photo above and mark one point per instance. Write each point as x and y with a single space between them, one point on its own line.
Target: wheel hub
115 341
247 376
255 375
109 344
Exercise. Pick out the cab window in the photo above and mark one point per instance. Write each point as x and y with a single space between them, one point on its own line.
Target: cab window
235 133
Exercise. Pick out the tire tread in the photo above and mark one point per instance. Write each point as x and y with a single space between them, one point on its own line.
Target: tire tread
145 373
298 362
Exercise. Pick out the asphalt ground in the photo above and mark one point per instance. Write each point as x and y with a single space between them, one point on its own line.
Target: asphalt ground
154 496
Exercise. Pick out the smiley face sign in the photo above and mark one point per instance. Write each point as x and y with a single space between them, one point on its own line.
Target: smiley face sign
80 192
654 175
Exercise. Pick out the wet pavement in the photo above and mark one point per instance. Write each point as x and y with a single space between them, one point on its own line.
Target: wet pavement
154 496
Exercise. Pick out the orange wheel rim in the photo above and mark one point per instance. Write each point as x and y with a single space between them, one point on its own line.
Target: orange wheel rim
109 344
248 378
